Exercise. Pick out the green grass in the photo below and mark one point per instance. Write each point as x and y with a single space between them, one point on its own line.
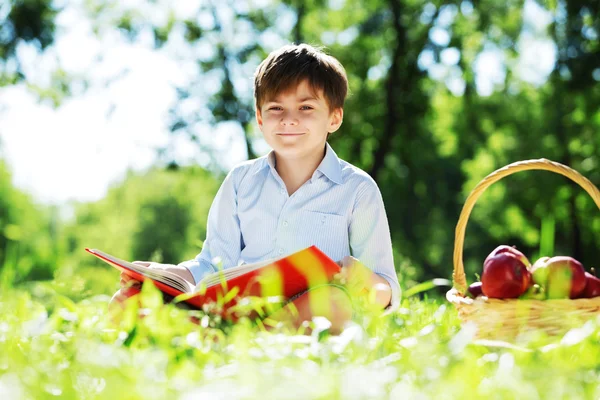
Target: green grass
56 341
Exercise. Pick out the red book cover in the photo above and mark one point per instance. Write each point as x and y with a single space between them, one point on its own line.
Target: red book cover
285 277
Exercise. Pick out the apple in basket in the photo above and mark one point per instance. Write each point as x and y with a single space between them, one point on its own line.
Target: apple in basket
592 287
539 272
505 274
474 290
563 277
508 249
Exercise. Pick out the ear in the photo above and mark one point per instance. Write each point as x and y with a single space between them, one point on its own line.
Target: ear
335 119
259 120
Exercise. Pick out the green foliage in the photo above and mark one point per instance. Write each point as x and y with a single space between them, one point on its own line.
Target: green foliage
29 245
427 146
159 215
51 346
24 21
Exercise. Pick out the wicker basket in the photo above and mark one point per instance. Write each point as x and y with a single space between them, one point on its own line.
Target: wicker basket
510 318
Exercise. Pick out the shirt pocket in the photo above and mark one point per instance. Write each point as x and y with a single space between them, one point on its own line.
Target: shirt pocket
329 232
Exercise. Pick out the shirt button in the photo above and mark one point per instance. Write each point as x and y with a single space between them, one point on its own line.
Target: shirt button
282 191
285 223
280 251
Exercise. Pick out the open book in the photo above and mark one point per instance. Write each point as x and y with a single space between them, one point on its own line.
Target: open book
285 276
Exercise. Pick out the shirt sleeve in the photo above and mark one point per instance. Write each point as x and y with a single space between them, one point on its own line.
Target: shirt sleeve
223 235
370 239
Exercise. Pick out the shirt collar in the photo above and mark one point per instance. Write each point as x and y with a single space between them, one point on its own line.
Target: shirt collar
264 162
329 166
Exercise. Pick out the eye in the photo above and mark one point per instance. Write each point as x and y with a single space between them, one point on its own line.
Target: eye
275 108
306 107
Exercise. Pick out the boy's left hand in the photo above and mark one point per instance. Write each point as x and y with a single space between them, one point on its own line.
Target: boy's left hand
360 280
354 274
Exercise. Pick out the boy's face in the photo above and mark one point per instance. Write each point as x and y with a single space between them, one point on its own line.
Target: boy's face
296 123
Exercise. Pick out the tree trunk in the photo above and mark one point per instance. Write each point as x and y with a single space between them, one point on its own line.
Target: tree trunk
561 39
392 84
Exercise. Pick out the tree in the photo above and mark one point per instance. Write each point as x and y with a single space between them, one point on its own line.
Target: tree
159 215
29 245
25 21
417 119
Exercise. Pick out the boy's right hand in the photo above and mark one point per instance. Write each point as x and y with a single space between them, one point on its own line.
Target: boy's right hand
127 281
183 272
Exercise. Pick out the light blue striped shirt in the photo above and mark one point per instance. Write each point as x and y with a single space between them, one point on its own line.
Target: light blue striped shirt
340 210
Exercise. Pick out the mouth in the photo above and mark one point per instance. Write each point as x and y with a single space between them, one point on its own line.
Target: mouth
289 134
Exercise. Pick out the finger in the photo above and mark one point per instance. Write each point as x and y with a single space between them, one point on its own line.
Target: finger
343 262
130 283
125 277
350 261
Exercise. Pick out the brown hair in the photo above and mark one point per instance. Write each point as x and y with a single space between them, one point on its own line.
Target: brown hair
287 67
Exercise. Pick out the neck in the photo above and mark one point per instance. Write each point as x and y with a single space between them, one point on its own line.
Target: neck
295 172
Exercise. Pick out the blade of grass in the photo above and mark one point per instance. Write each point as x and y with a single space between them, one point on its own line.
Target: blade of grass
547 236
425 286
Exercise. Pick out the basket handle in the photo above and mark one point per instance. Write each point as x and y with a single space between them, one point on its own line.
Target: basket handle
458 276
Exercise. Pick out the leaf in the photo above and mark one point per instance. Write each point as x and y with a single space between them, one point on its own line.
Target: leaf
130 336
231 294
428 285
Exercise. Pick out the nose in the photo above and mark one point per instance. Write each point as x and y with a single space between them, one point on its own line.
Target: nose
288 120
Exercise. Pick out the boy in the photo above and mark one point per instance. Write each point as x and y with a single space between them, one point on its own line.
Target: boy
301 193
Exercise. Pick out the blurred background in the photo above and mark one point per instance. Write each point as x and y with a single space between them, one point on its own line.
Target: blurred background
119 119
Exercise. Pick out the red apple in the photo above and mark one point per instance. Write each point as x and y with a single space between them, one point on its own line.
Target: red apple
592 287
508 249
565 278
475 289
505 276
539 272
540 261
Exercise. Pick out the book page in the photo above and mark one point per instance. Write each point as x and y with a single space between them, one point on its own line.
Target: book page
160 275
